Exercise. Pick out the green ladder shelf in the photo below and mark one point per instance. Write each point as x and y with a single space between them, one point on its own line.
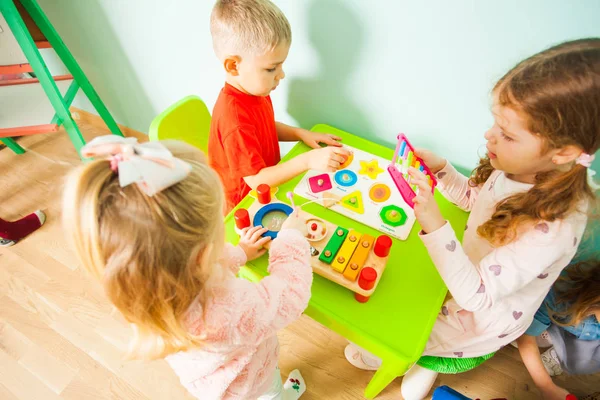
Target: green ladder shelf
61 104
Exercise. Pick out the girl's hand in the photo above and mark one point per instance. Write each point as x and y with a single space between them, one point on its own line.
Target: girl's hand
312 139
434 162
293 221
252 242
426 209
553 392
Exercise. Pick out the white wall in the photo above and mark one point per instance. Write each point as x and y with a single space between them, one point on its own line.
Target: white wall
370 67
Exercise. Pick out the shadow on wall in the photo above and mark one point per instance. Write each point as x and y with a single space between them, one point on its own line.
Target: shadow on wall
86 31
336 35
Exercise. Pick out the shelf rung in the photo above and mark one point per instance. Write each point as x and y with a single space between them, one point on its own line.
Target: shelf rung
15 69
43 44
28 130
12 82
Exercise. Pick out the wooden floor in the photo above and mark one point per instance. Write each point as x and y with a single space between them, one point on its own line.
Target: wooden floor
60 339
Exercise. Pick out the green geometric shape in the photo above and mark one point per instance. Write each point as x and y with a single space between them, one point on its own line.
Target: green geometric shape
393 216
354 202
334 244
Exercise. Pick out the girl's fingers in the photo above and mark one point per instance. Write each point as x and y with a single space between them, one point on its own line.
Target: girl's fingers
260 252
419 200
256 235
423 185
251 231
263 241
415 173
420 152
419 179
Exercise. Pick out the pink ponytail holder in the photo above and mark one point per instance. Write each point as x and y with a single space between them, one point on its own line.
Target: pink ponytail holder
585 159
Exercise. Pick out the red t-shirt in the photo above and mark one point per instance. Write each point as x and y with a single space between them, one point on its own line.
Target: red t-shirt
243 140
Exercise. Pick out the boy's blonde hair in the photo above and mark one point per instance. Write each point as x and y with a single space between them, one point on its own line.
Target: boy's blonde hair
153 255
247 27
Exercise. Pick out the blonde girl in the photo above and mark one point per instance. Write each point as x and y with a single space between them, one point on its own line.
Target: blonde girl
146 221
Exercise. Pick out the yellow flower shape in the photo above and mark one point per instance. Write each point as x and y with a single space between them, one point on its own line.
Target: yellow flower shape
371 169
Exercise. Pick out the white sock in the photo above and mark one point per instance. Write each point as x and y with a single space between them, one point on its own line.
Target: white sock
294 386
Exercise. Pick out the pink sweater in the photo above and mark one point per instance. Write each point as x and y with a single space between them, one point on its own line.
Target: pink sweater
240 322
496 290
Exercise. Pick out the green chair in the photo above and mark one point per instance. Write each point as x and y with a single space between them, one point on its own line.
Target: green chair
187 120
419 380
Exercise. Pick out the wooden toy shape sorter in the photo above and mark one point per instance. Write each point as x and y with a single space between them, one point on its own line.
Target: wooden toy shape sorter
342 255
362 190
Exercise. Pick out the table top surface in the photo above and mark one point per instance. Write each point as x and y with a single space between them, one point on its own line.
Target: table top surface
400 314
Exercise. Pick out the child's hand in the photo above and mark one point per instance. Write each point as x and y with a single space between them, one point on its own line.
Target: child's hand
327 159
553 392
434 162
426 209
252 243
312 139
293 221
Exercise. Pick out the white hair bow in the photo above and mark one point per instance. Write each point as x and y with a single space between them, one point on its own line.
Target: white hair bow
150 165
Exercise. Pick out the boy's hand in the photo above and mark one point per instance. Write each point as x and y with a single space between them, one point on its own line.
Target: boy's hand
293 221
434 162
426 209
312 139
252 243
327 159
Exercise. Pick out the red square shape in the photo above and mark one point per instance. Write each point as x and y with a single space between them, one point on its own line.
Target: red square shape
314 183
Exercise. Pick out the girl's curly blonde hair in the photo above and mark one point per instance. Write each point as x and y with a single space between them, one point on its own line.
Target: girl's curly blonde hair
558 93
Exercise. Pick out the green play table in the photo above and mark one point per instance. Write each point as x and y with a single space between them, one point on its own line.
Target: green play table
397 320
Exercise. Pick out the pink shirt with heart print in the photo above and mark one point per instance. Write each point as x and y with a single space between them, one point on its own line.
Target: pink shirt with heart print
495 290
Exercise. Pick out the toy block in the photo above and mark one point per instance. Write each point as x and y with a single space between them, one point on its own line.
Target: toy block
333 246
346 251
357 261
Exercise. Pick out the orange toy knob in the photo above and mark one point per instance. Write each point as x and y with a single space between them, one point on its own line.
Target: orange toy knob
242 218
382 247
264 193
366 281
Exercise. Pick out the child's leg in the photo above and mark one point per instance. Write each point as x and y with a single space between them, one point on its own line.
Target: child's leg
275 391
361 358
11 232
417 383
530 354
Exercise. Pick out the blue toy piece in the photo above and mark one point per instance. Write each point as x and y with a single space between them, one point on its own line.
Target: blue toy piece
258 217
446 393
345 178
